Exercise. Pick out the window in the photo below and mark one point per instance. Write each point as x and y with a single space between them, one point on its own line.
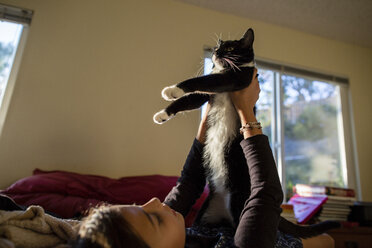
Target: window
306 118
14 24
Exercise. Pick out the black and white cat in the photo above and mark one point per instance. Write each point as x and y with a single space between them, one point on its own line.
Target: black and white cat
233 62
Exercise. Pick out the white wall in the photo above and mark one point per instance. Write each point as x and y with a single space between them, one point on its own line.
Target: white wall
92 72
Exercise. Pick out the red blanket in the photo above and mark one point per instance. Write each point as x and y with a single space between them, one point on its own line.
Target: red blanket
69 194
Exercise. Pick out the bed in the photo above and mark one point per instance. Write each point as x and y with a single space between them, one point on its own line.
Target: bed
69 195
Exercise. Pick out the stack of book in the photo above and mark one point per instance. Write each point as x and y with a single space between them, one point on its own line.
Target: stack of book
288 212
336 208
329 203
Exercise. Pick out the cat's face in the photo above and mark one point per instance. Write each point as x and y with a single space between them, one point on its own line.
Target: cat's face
234 53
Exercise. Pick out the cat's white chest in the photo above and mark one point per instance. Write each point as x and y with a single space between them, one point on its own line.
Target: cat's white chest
223 125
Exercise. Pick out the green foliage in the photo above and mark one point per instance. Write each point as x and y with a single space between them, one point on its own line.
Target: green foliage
297 171
302 86
314 123
6 50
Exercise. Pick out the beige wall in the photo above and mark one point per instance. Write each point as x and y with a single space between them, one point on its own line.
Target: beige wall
92 72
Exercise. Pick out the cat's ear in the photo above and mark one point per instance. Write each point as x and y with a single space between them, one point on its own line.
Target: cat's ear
248 38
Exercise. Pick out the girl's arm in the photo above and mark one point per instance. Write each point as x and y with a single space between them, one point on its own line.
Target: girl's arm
192 181
260 217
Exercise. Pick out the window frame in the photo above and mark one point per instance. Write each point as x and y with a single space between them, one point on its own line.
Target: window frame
23 17
351 175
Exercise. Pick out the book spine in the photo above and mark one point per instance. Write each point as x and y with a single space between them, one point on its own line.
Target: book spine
340 192
307 190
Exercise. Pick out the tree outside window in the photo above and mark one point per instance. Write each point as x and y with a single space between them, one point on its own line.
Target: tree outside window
9 39
310 112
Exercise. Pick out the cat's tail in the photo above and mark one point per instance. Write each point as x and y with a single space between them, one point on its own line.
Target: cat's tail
299 231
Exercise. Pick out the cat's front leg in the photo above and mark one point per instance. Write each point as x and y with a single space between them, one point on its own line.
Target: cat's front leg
212 83
172 93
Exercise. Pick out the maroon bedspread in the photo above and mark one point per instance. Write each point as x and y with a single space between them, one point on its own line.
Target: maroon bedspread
69 194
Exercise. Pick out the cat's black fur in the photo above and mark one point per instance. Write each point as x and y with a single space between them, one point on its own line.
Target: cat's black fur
223 156
233 74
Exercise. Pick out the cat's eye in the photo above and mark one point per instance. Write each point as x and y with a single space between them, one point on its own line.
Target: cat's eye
229 49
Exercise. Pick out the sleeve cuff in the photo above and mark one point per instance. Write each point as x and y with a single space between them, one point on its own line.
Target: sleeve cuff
256 139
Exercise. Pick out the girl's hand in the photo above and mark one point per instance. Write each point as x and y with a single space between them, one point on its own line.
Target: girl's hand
244 101
203 126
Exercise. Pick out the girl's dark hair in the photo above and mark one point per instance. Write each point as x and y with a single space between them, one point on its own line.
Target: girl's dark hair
105 227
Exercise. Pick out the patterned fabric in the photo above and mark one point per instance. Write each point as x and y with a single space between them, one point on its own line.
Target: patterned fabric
224 237
287 241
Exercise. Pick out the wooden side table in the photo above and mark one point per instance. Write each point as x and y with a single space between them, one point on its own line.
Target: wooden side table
352 237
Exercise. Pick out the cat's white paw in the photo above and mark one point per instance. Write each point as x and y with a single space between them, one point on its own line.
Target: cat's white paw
161 117
172 93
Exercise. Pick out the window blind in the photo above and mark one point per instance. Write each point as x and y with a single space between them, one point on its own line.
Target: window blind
15 14
301 72
291 70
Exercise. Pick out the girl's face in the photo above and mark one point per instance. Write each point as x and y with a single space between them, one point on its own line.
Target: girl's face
157 224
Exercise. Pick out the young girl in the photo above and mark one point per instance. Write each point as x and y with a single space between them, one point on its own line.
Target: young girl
161 225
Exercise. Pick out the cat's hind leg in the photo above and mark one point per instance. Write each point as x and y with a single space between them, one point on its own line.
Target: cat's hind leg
185 103
162 116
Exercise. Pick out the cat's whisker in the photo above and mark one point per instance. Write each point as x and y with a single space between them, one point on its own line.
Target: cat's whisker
201 67
225 63
232 64
235 59
201 60
231 58
218 38
215 39
235 56
228 60
236 67
200 71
